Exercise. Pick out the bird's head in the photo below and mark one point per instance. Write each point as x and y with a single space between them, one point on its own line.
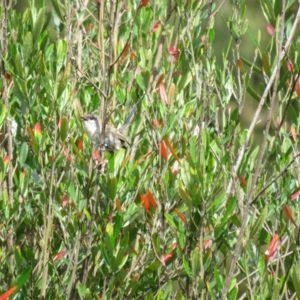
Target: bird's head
91 124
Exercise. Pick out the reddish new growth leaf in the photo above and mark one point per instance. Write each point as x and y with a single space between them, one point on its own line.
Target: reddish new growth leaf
167 257
66 152
65 200
156 123
240 65
80 144
163 151
145 202
38 128
290 66
7 159
60 122
205 245
148 201
181 216
144 3
269 254
175 168
124 53
163 94
155 26
118 205
293 133
295 195
270 29
60 255
8 293
174 52
166 139
297 86
8 77
243 181
289 214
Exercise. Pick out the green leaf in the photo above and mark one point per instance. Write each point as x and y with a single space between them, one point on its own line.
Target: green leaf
24 277
295 274
81 290
219 279
35 62
18 65
64 80
2 113
195 262
253 93
113 188
230 207
140 81
23 153
233 293
61 51
57 9
266 63
27 46
39 24
186 266
259 222
64 129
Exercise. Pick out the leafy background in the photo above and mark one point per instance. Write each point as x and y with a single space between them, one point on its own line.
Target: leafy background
201 205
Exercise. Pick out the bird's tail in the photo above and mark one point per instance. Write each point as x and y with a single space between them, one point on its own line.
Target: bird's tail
127 121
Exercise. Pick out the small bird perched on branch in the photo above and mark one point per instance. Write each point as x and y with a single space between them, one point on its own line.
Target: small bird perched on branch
114 139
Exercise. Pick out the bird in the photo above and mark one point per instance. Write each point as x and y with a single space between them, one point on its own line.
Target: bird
114 139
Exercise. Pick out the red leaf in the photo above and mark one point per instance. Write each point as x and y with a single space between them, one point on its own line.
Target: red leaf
8 77
240 65
295 195
297 86
151 199
163 151
270 29
118 205
144 3
272 248
293 133
8 293
167 257
38 128
173 50
166 139
163 94
66 152
145 201
243 181
60 122
289 214
155 26
205 245
175 168
80 144
7 159
124 53
181 216
60 255
290 66
156 123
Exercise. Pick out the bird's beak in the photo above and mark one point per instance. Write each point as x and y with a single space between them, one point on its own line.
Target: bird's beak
83 118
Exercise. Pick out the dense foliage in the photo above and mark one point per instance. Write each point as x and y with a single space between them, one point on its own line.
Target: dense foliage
196 207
